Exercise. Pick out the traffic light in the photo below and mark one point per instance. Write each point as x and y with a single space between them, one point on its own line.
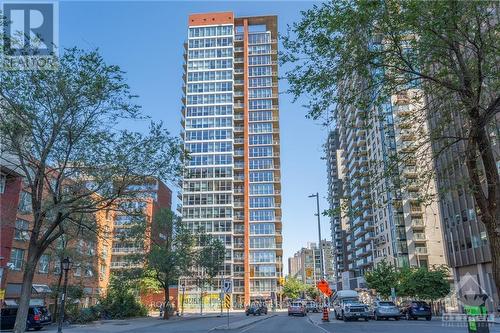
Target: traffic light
281 281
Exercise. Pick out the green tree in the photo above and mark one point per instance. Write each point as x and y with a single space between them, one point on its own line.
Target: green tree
312 292
63 130
430 284
293 288
171 254
209 261
382 278
446 49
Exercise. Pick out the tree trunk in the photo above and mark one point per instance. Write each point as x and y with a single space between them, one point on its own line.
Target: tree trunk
24 301
494 239
166 307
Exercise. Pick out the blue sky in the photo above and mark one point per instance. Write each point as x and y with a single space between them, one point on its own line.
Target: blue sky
145 38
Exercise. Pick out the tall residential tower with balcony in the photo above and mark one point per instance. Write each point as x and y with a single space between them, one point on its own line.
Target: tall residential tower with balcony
386 218
231 187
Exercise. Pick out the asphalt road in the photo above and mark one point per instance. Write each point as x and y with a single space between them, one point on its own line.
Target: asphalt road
436 325
281 323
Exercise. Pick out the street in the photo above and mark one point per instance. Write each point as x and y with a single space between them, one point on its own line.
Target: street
272 323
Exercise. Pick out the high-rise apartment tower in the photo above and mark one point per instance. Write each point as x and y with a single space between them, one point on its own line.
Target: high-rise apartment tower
231 187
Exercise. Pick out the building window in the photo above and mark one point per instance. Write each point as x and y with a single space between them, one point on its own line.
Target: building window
89 272
43 264
78 271
25 203
57 266
3 180
16 259
21 230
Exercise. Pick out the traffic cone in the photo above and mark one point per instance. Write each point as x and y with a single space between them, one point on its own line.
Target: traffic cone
325 314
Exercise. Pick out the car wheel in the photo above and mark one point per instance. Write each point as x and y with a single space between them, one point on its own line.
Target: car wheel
428 318
37 328
367 319
344 318
396 318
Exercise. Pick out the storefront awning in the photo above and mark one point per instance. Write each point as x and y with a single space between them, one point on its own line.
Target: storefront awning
41 288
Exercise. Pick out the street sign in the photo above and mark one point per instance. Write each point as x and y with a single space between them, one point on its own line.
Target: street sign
227 301
227 286
324 287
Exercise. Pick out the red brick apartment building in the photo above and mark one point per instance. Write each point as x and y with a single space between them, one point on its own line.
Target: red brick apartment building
105 255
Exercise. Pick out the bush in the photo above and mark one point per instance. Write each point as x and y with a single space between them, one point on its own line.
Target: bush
83 316
120 302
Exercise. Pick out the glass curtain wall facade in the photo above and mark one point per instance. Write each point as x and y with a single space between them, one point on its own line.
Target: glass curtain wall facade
232 183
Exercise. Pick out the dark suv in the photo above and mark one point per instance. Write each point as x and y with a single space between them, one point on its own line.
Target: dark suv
38 317
416 309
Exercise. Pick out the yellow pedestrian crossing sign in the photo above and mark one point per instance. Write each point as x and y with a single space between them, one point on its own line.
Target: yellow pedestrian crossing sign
227 301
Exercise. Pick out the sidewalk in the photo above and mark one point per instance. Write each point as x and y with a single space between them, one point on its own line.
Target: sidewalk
118 325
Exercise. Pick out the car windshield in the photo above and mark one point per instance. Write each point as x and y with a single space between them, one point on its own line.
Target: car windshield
386 304
352 302
296 304
419 304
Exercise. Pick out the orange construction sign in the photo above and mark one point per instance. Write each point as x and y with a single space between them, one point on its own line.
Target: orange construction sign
324 287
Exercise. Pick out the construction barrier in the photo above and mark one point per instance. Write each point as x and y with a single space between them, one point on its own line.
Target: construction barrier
325 314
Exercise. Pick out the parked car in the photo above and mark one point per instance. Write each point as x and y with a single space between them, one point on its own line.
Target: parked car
346 306
254 309
296 309
353 309
38 317
415 310
263 308
386 310
312 306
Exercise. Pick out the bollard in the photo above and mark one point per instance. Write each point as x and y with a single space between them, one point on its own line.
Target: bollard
325 314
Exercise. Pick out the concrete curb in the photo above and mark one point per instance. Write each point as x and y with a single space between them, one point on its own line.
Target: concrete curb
237 327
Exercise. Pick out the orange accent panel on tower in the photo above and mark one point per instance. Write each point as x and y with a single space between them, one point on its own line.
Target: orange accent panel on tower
211 19
246 262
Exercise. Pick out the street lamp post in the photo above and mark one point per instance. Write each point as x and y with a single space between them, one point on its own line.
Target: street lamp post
322 272
66 266
182 302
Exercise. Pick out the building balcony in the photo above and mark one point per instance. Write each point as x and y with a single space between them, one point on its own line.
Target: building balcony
127 250
419 237
421 250
417 223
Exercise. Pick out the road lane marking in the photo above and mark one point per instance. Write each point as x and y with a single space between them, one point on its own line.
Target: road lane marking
316 325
